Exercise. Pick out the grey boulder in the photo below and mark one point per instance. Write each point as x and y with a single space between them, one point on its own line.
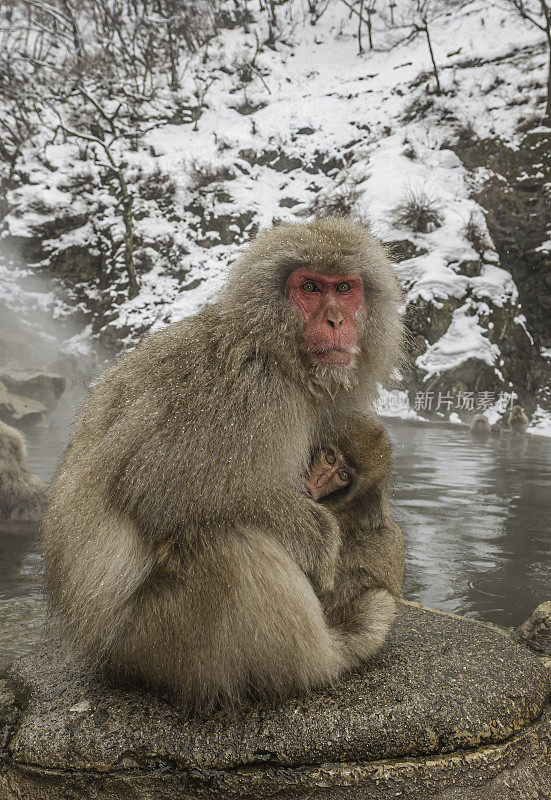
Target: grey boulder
450 710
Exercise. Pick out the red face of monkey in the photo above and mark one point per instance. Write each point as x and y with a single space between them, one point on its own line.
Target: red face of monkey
331 306
329 473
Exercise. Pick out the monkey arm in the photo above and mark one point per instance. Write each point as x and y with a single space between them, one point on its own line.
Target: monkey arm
372 540
311 534
211 478
370 558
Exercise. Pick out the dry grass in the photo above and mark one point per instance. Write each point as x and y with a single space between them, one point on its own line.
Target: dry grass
418 211
475 231
466 131
337 201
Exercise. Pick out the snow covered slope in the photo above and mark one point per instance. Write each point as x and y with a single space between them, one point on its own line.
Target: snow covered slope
311 127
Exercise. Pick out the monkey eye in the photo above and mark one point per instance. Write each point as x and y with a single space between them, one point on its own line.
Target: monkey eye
344 475
343 287
309 286
330 457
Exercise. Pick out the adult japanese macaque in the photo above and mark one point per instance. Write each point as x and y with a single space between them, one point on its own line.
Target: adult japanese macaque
22 493
180 554
351 478
480 428
518 421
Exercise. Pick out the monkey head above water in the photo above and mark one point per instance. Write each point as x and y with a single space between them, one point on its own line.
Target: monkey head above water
179 553
480 427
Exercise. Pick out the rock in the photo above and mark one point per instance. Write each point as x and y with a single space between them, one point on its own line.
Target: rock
536 631
75 264
450 710
518 203
45 387
21 411
469 267
403 250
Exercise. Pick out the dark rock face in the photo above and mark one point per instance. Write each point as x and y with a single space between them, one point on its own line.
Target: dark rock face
522 369
75 264
450 709
519 209
403 249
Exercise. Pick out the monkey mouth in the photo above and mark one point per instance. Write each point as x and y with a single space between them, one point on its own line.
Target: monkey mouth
303 489
333 356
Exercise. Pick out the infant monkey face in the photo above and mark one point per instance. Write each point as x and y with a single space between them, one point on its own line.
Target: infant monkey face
329 473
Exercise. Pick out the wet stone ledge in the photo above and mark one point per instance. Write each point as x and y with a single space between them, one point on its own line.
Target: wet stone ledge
450 710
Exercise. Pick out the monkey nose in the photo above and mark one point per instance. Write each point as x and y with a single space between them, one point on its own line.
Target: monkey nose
334 318
324 479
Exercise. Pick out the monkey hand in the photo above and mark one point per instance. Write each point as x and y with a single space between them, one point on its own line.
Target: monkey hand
323 565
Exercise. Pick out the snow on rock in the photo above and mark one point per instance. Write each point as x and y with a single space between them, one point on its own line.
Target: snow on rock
464 339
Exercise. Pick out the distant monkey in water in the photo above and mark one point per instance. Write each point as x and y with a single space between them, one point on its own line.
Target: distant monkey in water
351 478
22 493
180 554
518 421
480 428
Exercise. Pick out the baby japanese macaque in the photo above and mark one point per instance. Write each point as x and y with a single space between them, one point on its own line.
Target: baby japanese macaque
22 493
350 477
329 473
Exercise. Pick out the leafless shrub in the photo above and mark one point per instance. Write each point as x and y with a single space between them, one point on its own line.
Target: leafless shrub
476 233
466 131
418 108
79 180
245 65
82 152
156 186
247 106
418 211
410 152
339 200
244 69
496 82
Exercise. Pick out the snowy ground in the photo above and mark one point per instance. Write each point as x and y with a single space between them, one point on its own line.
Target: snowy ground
317 97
